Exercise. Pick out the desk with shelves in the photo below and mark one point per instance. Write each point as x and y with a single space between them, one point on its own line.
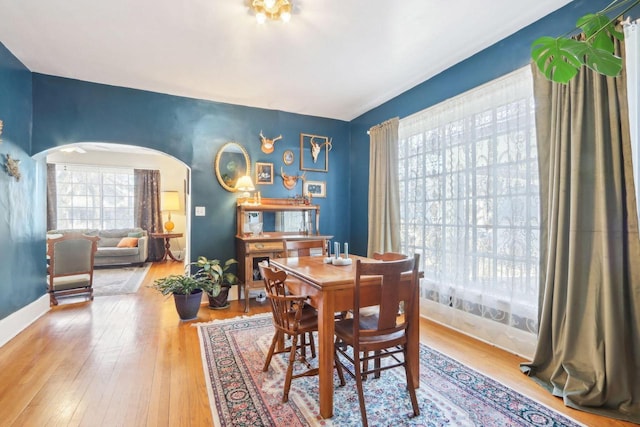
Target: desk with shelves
253 248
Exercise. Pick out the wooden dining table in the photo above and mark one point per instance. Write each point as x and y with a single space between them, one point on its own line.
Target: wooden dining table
330 290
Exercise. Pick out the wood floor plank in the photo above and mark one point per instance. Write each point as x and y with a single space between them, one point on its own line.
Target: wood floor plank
128 360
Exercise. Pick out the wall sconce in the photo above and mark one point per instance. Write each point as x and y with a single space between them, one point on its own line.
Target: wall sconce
169 201
245 184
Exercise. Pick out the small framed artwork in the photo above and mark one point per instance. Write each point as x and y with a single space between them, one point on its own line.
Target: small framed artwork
315 188
287 157
264 173
314 152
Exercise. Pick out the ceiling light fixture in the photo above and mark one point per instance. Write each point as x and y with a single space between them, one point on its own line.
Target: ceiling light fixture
272 9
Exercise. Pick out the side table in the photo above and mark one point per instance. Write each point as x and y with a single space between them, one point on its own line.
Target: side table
167 243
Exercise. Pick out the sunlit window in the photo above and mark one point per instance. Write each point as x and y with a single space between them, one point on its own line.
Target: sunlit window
470 201
94 197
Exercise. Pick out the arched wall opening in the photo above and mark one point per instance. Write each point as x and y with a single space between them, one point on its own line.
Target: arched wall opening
175 176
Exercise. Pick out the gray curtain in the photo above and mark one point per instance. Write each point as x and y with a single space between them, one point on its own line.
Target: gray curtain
588 349
384 194
52 194
147 213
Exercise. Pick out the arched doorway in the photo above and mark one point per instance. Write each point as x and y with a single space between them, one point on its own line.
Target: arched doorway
175 176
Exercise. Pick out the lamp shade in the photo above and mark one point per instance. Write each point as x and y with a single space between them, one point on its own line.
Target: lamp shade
169 201
245 184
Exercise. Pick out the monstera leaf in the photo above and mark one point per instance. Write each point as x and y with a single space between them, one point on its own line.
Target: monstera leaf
602 62
598 30
560 58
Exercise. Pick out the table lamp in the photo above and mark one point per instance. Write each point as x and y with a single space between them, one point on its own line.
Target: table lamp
170 201
245 184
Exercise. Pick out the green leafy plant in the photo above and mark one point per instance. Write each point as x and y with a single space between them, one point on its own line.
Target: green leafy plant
214 274
560 58
209 277
179 284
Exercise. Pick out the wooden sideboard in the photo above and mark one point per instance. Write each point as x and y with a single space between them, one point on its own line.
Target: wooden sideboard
252 248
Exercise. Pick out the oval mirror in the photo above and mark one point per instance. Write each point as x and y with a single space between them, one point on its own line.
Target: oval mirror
232 162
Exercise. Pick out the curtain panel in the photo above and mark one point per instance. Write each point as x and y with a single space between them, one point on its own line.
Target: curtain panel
147 210
470 206
632 67
384 199
588 349
52 195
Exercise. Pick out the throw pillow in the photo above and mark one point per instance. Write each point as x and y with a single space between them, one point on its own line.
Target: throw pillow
136 234
128 242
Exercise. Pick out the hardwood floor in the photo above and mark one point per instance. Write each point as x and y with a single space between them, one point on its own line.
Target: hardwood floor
128 361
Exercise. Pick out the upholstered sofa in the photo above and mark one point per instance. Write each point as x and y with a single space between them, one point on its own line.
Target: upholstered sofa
118 246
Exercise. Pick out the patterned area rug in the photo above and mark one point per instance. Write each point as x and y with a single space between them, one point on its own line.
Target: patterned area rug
450 394
118 281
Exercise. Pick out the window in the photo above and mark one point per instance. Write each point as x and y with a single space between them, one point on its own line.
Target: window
470 203
94 197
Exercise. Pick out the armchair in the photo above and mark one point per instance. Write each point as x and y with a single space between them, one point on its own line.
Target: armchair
70 269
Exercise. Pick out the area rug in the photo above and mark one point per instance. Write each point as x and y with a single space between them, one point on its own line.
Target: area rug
118 281
450 394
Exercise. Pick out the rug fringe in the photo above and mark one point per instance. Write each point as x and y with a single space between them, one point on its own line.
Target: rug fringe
230 320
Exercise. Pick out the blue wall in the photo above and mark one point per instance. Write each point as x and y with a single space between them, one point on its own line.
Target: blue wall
67 111
22 227
505 56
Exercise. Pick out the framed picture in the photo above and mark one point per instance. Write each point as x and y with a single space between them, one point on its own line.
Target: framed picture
264 173
314 152
287 157
315 188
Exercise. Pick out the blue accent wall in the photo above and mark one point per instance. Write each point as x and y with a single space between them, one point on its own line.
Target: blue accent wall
503 57
22 223
67 111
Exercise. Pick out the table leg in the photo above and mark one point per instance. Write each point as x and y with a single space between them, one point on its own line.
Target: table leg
326 329
167 250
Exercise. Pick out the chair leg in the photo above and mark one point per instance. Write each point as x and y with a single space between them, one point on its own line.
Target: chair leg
292 359
410 385
303 346
358 377
338 365
267 362
312 345
52 299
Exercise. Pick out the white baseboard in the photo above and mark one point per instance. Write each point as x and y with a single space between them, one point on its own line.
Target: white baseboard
18 321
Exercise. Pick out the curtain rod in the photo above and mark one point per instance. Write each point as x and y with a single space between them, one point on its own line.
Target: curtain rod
382 124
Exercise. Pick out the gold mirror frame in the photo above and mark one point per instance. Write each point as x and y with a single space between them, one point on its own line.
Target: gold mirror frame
223 166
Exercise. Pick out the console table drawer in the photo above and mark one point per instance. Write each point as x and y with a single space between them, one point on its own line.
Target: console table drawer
264 246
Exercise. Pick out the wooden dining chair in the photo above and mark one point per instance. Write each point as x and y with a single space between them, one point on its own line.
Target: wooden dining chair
374 310
383 336
304 247
291 318
291 248
388 256
70 269
297 248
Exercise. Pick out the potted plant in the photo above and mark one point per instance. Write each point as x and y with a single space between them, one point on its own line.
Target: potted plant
186 291
218 278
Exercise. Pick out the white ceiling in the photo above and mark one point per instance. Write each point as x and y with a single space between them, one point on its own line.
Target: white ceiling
336 58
